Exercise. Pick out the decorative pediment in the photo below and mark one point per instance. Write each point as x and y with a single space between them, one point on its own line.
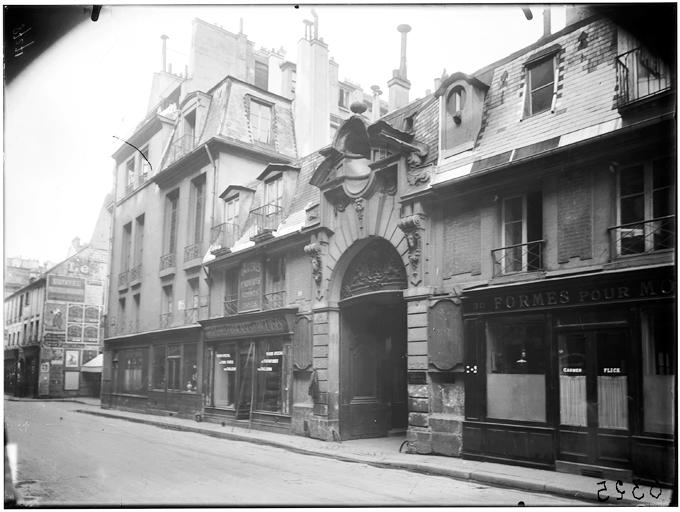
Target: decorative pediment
377 267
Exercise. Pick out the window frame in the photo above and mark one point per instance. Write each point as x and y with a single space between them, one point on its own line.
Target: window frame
197 209
171 222
257 128
534 64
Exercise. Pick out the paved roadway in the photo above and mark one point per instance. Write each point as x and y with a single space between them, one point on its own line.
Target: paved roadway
69 458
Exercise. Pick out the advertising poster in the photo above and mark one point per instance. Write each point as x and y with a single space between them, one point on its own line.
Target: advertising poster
55 317
70 289
75 313
91 333
72 358
75 332
92 314
250 286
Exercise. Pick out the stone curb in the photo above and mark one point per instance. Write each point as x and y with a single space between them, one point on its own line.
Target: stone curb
73 400
484 477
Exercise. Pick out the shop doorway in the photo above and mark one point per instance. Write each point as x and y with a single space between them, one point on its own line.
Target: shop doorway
595 398
373 390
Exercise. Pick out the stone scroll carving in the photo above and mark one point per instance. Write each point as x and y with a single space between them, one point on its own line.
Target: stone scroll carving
314 252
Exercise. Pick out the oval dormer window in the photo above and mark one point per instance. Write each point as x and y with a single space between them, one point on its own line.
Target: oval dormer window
455 103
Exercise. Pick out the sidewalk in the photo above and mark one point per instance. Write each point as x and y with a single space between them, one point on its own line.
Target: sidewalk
384 452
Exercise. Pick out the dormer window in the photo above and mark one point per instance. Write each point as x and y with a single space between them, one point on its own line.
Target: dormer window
260 117
541 81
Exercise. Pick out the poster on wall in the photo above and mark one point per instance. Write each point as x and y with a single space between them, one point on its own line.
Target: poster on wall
71 289
92 314
74 332
55 317
71 359
91 334
75 313
250 286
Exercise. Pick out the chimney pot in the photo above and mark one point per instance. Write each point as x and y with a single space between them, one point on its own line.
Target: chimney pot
546 22
164 38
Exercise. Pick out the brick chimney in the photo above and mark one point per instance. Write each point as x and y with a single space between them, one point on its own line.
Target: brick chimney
399 85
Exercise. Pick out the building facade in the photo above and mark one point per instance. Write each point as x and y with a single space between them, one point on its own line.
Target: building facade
489 270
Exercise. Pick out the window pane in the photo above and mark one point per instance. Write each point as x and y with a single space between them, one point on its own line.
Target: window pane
662 201
224 389
513 233
632 209
631 180
190 368
662 173
542 74
541 99
158 370
513 209
612 380
272 385
572 367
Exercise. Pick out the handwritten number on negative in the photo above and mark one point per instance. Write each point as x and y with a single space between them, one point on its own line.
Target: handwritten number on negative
619 482
633 492
604 488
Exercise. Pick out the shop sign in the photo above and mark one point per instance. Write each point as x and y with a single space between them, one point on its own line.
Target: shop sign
572 370
225 360
71 289
247 328
250 286
569 294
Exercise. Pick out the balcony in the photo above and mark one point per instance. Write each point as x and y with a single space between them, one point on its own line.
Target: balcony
273 300
168 261
193 315
123 278
180 147
224 236
167 320
640 75
266 219
642 237
121 327
231 305
129 187
517 258
193 251
136 274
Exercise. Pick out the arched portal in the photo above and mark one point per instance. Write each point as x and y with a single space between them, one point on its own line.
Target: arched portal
373 395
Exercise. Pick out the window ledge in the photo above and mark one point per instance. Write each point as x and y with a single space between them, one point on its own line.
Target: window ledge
518 277
170 271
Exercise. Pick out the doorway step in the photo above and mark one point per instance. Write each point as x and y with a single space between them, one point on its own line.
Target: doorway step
576 468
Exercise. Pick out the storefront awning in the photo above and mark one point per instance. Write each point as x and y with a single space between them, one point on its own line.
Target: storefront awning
93 365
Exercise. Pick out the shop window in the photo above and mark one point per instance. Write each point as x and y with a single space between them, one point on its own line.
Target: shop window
189 368
131 368
224 377
174 366
659 370
260 117
273 377
541 87
572 368
645 208
158 367
521 235
516 368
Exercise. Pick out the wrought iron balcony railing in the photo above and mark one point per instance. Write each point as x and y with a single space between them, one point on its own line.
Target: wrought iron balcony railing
526 257
224 235
168 261
194 314
642 237
180 147
230 305
266 218
123 278
640 74
193 251
273 300
167 320
129 187
136 273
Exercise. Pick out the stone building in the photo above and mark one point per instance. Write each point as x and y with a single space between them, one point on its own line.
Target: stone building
488 270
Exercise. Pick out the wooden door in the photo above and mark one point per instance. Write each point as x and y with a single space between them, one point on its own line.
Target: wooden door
595 397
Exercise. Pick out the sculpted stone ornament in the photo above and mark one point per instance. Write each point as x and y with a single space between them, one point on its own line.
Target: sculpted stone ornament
359 208
314 252
411 226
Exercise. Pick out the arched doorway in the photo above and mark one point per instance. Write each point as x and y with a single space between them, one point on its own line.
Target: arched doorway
373 395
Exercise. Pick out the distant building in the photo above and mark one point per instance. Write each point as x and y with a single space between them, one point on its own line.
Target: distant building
54 324
19 272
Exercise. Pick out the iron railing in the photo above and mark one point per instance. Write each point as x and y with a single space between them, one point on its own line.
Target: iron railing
273 300
123 278
136 273
168 261
526 257
224 236
640 74
231 305
642 237
194 314
266 218
167 320
180 147
193 251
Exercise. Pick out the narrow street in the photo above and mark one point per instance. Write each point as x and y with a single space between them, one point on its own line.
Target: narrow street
69 458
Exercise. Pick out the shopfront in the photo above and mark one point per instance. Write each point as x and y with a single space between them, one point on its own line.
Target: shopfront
248 365
576 374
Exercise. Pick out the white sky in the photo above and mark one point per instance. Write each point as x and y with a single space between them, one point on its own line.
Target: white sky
62 112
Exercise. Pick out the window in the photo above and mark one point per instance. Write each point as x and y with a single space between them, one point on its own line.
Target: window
260 121
197 208
273 192
658 360
275 283
541 86
167 305
231 211
262 75
645 208
193 301
224 376
516 369
131 370
158 367
454 104
121 315
139 240
171 215
130 175
273 377
136 299
175 367
126 247
189 130
343 98
145 167
521 233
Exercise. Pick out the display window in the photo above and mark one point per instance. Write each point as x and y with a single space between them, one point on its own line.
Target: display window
516 370
273 375
224 376
175 367
130 370
659 369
